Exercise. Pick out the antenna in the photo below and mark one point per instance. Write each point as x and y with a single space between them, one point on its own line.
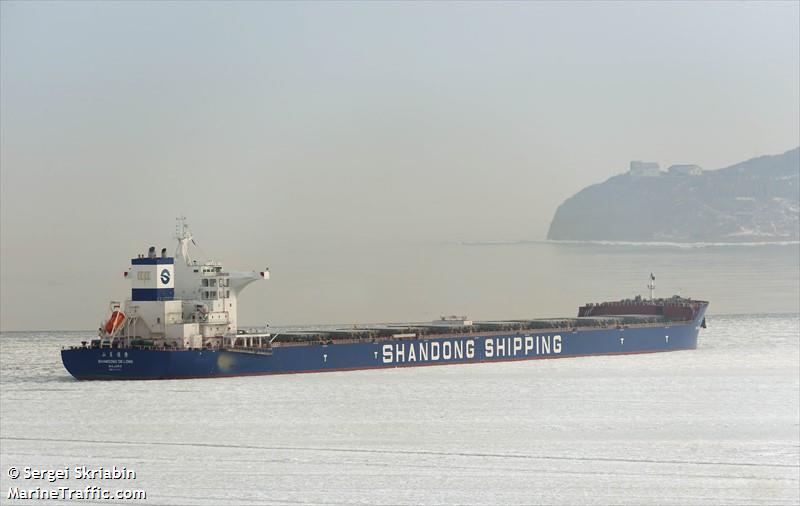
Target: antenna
184 236
181 227
652 285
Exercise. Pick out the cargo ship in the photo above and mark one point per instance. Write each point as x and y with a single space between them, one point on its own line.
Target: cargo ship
181 322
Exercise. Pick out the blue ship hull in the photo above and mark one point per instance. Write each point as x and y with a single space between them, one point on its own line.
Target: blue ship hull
134 363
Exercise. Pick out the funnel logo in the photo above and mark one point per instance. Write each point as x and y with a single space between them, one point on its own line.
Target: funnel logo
165 276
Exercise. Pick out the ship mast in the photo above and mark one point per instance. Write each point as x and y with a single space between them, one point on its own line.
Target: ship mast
652 285
184 237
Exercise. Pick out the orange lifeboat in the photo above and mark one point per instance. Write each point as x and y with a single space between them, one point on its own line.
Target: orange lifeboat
113 323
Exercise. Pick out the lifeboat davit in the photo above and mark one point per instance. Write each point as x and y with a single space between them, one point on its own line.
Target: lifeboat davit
114 322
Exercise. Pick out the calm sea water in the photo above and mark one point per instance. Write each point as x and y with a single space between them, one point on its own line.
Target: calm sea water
719 425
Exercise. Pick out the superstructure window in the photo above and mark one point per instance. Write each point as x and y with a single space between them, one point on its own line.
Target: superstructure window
143 275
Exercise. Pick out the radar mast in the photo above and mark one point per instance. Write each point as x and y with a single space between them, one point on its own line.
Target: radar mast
184 237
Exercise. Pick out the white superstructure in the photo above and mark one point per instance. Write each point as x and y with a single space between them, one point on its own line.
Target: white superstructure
178 302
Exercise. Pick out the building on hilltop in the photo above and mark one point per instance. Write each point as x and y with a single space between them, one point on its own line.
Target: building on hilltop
639 168
685 170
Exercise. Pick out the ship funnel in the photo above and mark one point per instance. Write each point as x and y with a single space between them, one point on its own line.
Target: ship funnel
151 253
163 252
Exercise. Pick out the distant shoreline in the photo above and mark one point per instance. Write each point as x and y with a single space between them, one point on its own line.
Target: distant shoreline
661 244
322 326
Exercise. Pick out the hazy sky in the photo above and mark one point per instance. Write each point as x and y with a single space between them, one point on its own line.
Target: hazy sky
302 124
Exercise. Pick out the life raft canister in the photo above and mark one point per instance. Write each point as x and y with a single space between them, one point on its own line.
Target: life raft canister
117 317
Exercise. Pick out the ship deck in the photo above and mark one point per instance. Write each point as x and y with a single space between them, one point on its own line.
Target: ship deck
245 340
379 332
